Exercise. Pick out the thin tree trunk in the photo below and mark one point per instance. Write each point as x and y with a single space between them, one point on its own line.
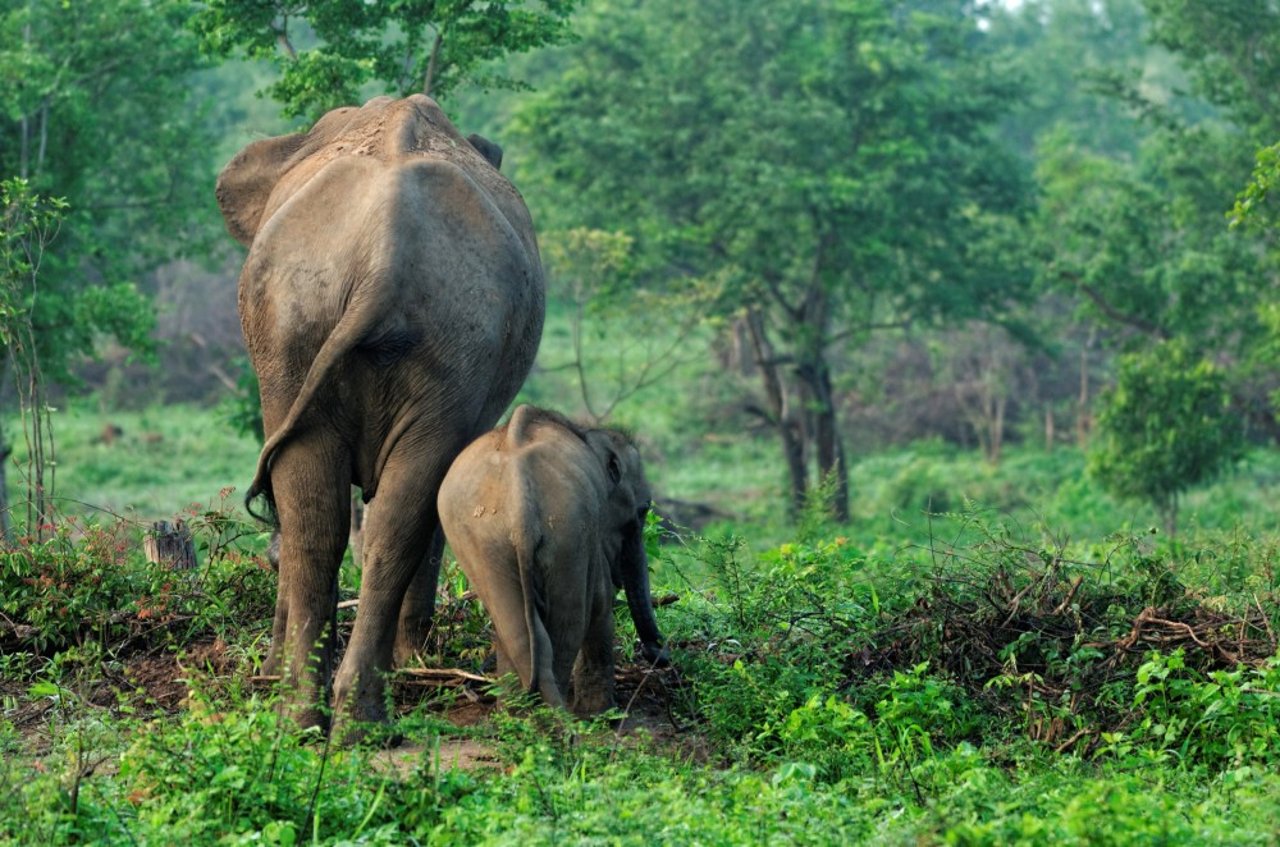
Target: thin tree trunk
1083 421
826 435
815 315
24 125
775 395
44 135
6 520
431 64
997 430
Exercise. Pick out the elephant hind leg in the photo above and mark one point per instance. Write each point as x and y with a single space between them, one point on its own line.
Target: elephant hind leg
397 535
310 477
593 671
501 592
417 611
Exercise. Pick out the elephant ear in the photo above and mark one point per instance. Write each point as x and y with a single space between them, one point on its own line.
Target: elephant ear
245 184
607 452
491 151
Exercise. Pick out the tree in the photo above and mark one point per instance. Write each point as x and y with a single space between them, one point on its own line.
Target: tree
1067 52
328 50
624 338
1139 236
28 224
1232 50
1257 203
96 106
832 162
1166 426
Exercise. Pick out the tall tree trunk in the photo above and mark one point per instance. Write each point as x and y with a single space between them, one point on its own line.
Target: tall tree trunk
828 447
815 317
780 413
1084 422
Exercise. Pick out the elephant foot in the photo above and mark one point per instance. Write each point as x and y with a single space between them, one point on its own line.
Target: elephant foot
349 732
364 722
360 711
306 717
408 652
411 643
591 700
655 654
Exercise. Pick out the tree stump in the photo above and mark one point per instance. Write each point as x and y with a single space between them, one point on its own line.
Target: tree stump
170 544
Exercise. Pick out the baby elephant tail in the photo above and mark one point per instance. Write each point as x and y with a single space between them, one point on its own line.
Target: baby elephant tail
542 678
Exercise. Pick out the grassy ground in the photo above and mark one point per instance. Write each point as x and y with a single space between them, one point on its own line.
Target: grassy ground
1039 668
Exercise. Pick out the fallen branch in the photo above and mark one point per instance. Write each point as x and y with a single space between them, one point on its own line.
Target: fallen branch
442 676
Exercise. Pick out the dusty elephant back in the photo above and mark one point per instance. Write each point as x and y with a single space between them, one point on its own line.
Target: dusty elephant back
393 274
265 174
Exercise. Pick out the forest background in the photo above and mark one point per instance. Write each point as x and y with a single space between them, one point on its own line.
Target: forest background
850 269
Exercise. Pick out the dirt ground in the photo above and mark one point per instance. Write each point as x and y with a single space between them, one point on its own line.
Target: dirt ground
158 682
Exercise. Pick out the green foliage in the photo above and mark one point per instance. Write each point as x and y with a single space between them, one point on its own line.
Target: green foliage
626 337
1145 247
1256 205
1225 718
99 108
162 460
406 46
1232 49
1166 426
87 582
243 408
1066 51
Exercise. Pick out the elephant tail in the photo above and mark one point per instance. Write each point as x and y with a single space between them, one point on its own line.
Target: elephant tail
356 323
542 678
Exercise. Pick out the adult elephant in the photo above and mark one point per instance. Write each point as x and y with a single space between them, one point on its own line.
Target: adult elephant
392 302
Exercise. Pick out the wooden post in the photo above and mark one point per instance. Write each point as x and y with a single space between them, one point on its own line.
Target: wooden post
170 544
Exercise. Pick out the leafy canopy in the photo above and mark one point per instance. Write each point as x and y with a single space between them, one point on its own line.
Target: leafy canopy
99 104
836 146
328 50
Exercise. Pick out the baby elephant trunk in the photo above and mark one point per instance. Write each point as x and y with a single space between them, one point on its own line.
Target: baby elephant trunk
635 582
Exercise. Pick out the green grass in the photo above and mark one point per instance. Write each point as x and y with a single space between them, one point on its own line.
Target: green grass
165 460
961 677
805 733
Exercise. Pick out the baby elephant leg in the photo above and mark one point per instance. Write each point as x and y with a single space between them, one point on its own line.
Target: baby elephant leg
593 672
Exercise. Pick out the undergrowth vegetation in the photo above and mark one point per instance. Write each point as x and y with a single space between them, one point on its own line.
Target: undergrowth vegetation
993 679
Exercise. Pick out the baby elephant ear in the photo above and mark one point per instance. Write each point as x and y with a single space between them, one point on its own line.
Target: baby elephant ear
602 445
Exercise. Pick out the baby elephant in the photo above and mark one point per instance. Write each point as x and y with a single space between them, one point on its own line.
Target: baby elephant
546 518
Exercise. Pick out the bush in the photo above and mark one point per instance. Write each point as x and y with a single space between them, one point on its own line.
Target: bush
88 581
1167 425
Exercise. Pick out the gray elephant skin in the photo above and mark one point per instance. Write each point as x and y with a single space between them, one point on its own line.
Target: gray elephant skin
392 303
546 519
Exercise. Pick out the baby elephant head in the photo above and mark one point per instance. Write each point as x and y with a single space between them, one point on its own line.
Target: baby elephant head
625 512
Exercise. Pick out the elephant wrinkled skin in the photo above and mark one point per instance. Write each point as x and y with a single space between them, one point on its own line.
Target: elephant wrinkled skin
392 304
547 521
